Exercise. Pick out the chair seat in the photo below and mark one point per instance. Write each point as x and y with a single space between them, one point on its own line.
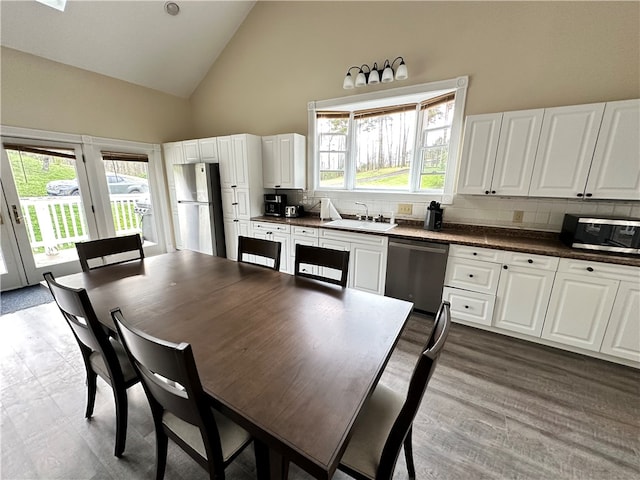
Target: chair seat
232 436
98 365
371 430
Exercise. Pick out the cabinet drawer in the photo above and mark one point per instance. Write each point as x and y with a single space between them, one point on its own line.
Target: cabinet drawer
270 227
361 238
541 262
600 270
470 306
304 231
476 253
472 275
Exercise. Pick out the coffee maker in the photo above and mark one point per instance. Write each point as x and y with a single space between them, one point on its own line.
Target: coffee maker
275 204
433 219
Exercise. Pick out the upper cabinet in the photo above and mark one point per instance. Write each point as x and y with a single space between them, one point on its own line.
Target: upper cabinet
499 152
580 151
615 170
283 161
203 150
565 150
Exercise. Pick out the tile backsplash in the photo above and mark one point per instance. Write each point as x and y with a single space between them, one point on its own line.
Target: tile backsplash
537 213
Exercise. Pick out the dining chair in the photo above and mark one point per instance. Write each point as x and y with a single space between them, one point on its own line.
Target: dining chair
180 408
103 355
322 257
262 248
106 247
385 423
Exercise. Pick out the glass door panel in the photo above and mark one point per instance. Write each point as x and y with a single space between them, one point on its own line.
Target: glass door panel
45 188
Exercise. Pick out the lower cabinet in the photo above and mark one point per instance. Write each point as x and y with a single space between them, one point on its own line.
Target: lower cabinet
276 233
233 228
622 336
585 306
592 301
367 258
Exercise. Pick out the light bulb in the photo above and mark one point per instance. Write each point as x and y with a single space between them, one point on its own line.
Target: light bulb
374 77
402 73
348 82
387 75
361 80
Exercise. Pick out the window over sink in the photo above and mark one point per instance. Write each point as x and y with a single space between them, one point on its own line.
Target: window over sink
403 140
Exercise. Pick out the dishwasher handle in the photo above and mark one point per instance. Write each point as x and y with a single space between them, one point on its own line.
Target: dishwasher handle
422 248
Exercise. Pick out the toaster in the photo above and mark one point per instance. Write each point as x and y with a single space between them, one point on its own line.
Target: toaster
293 211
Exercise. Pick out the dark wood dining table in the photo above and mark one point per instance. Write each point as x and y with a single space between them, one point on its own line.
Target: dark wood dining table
292 360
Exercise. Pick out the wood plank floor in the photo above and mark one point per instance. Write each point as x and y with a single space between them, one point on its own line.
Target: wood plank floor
496 408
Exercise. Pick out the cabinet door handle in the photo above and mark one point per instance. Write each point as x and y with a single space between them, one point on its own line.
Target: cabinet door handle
505 267
471 275
486 192
579 195
235 220
589 269
530 261
475 253
493 192
234 186
234 203
466 306
277 186
589 195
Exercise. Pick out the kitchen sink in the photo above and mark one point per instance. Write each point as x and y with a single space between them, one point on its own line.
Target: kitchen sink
361 225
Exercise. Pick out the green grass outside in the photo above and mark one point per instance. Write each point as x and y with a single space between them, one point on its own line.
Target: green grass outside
388 181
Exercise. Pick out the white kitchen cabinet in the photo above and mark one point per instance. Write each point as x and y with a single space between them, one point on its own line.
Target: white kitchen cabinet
367 257
208 150
615 170
276 233
499 152
479 147
173 154
523 292
240 158
622 336
232 230
303 236
283 161
191 151
582 300
565 150
471 282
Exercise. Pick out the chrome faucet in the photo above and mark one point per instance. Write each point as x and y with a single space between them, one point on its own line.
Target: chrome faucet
366 211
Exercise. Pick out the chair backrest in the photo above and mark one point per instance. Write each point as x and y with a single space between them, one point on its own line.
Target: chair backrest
90 334
105 247
322 257
171 381
422 373
259 247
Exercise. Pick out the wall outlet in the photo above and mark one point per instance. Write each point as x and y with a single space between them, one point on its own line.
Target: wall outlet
517 216
405 208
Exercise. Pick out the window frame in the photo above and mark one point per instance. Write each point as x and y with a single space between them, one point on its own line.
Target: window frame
388 97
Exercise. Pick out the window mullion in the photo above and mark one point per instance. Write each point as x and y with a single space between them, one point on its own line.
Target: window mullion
350 160
416 164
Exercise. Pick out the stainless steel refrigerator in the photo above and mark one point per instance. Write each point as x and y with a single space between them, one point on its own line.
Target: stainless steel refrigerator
199 201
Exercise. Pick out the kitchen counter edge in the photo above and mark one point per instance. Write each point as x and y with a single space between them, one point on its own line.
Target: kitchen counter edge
525 241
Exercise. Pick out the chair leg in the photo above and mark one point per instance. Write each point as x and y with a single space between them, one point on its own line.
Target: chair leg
120 397
408 455
91 392
161 452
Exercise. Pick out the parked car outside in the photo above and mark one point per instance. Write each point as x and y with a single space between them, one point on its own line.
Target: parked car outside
117 184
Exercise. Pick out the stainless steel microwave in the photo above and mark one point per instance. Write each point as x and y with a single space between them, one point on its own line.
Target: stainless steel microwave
612 234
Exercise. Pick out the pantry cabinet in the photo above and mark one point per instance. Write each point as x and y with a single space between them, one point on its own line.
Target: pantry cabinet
283 161
499 152
565 150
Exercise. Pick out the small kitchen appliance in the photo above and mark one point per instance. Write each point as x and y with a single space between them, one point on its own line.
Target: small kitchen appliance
275 204
433 219
293 211
612 234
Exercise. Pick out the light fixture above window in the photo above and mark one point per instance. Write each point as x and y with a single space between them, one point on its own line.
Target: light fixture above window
373 75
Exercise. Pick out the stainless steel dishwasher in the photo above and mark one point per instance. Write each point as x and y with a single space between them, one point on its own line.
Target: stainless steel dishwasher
415 272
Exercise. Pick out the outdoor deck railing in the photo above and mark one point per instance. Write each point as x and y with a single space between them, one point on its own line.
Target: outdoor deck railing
56 223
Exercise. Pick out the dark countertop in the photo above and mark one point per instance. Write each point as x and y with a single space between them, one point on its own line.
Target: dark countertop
526 241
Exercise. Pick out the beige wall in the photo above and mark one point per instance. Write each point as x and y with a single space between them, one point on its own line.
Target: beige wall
518 55
41 94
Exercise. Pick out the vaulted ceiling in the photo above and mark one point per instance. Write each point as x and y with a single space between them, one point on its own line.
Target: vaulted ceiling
134 41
